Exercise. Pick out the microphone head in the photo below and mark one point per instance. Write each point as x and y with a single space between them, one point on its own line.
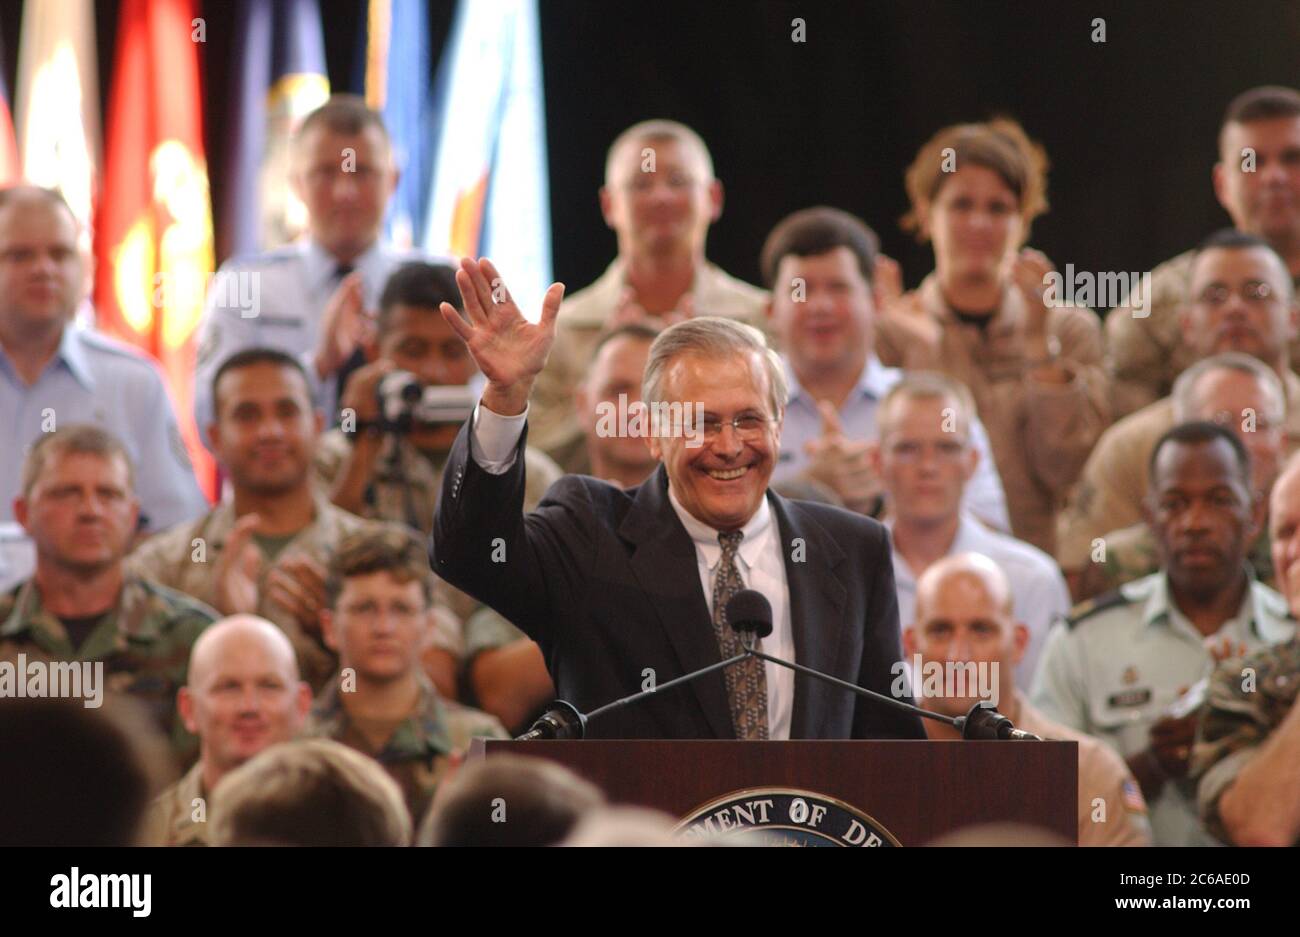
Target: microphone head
750 611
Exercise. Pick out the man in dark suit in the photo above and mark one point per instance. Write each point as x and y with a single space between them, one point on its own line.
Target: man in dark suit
626 589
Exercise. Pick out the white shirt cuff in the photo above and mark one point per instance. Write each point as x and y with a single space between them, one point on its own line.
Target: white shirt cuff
495 438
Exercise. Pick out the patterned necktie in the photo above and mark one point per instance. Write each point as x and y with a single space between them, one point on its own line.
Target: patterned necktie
747 680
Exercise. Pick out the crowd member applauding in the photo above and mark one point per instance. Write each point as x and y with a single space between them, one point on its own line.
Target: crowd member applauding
820 265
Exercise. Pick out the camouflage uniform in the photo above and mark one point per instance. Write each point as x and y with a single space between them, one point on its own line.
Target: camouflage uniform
1144 356
1131 553
408 488
421 749
1104 776
144 644
170 558
170 820
1236 721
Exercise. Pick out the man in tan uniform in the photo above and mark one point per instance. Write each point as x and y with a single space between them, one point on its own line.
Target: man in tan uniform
265 551
380 702
964 613
243 695
659 197
1245 396
1257 181
1246 760
1243 303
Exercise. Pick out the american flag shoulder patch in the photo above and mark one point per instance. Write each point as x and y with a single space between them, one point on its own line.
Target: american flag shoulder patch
1132 798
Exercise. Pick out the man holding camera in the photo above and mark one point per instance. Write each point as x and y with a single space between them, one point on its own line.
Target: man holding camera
400 412
399 416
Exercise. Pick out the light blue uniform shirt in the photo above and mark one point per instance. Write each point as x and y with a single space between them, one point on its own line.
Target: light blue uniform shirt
983 497
277 300
1038 592
96 379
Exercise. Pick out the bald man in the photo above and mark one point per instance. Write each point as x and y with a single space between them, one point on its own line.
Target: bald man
244 695
964 614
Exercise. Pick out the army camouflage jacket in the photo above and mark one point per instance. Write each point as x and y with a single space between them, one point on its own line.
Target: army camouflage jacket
423 747
144 645
1248 698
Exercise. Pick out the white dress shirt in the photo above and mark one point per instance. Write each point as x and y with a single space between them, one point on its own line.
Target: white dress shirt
1038 592
759 559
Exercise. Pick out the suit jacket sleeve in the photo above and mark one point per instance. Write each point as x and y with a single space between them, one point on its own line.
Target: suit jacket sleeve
532 569
882 649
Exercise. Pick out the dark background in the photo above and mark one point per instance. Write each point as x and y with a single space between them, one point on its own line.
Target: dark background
1129 125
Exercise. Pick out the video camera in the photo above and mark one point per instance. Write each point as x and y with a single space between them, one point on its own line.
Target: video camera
404 404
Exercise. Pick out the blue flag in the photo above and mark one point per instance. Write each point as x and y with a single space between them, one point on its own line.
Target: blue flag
397 81
279 77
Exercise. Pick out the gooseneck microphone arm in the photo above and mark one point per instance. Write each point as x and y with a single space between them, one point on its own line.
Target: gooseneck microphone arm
562 720
750 615
676 681
954 721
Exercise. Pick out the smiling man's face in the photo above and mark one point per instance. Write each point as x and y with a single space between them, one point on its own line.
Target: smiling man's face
723 481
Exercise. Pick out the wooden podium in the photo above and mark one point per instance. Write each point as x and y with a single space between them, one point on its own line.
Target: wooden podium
914 791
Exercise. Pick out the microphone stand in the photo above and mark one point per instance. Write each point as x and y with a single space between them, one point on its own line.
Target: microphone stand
982 723
564 721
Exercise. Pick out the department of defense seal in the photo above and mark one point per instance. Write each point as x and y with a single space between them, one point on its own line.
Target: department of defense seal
783 816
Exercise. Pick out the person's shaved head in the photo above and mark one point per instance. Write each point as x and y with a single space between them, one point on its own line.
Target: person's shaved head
240 634
964 614
971 575
243 693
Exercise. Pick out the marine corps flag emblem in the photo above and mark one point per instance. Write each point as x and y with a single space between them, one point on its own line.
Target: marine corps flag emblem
153 243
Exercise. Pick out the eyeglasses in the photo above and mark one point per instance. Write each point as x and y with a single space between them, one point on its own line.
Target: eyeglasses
1252 291
747 426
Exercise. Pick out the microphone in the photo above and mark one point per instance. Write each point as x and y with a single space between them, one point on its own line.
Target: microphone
750 614
562 720
985 723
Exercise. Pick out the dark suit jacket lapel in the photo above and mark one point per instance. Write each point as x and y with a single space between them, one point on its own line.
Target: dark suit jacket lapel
817 600
664 563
